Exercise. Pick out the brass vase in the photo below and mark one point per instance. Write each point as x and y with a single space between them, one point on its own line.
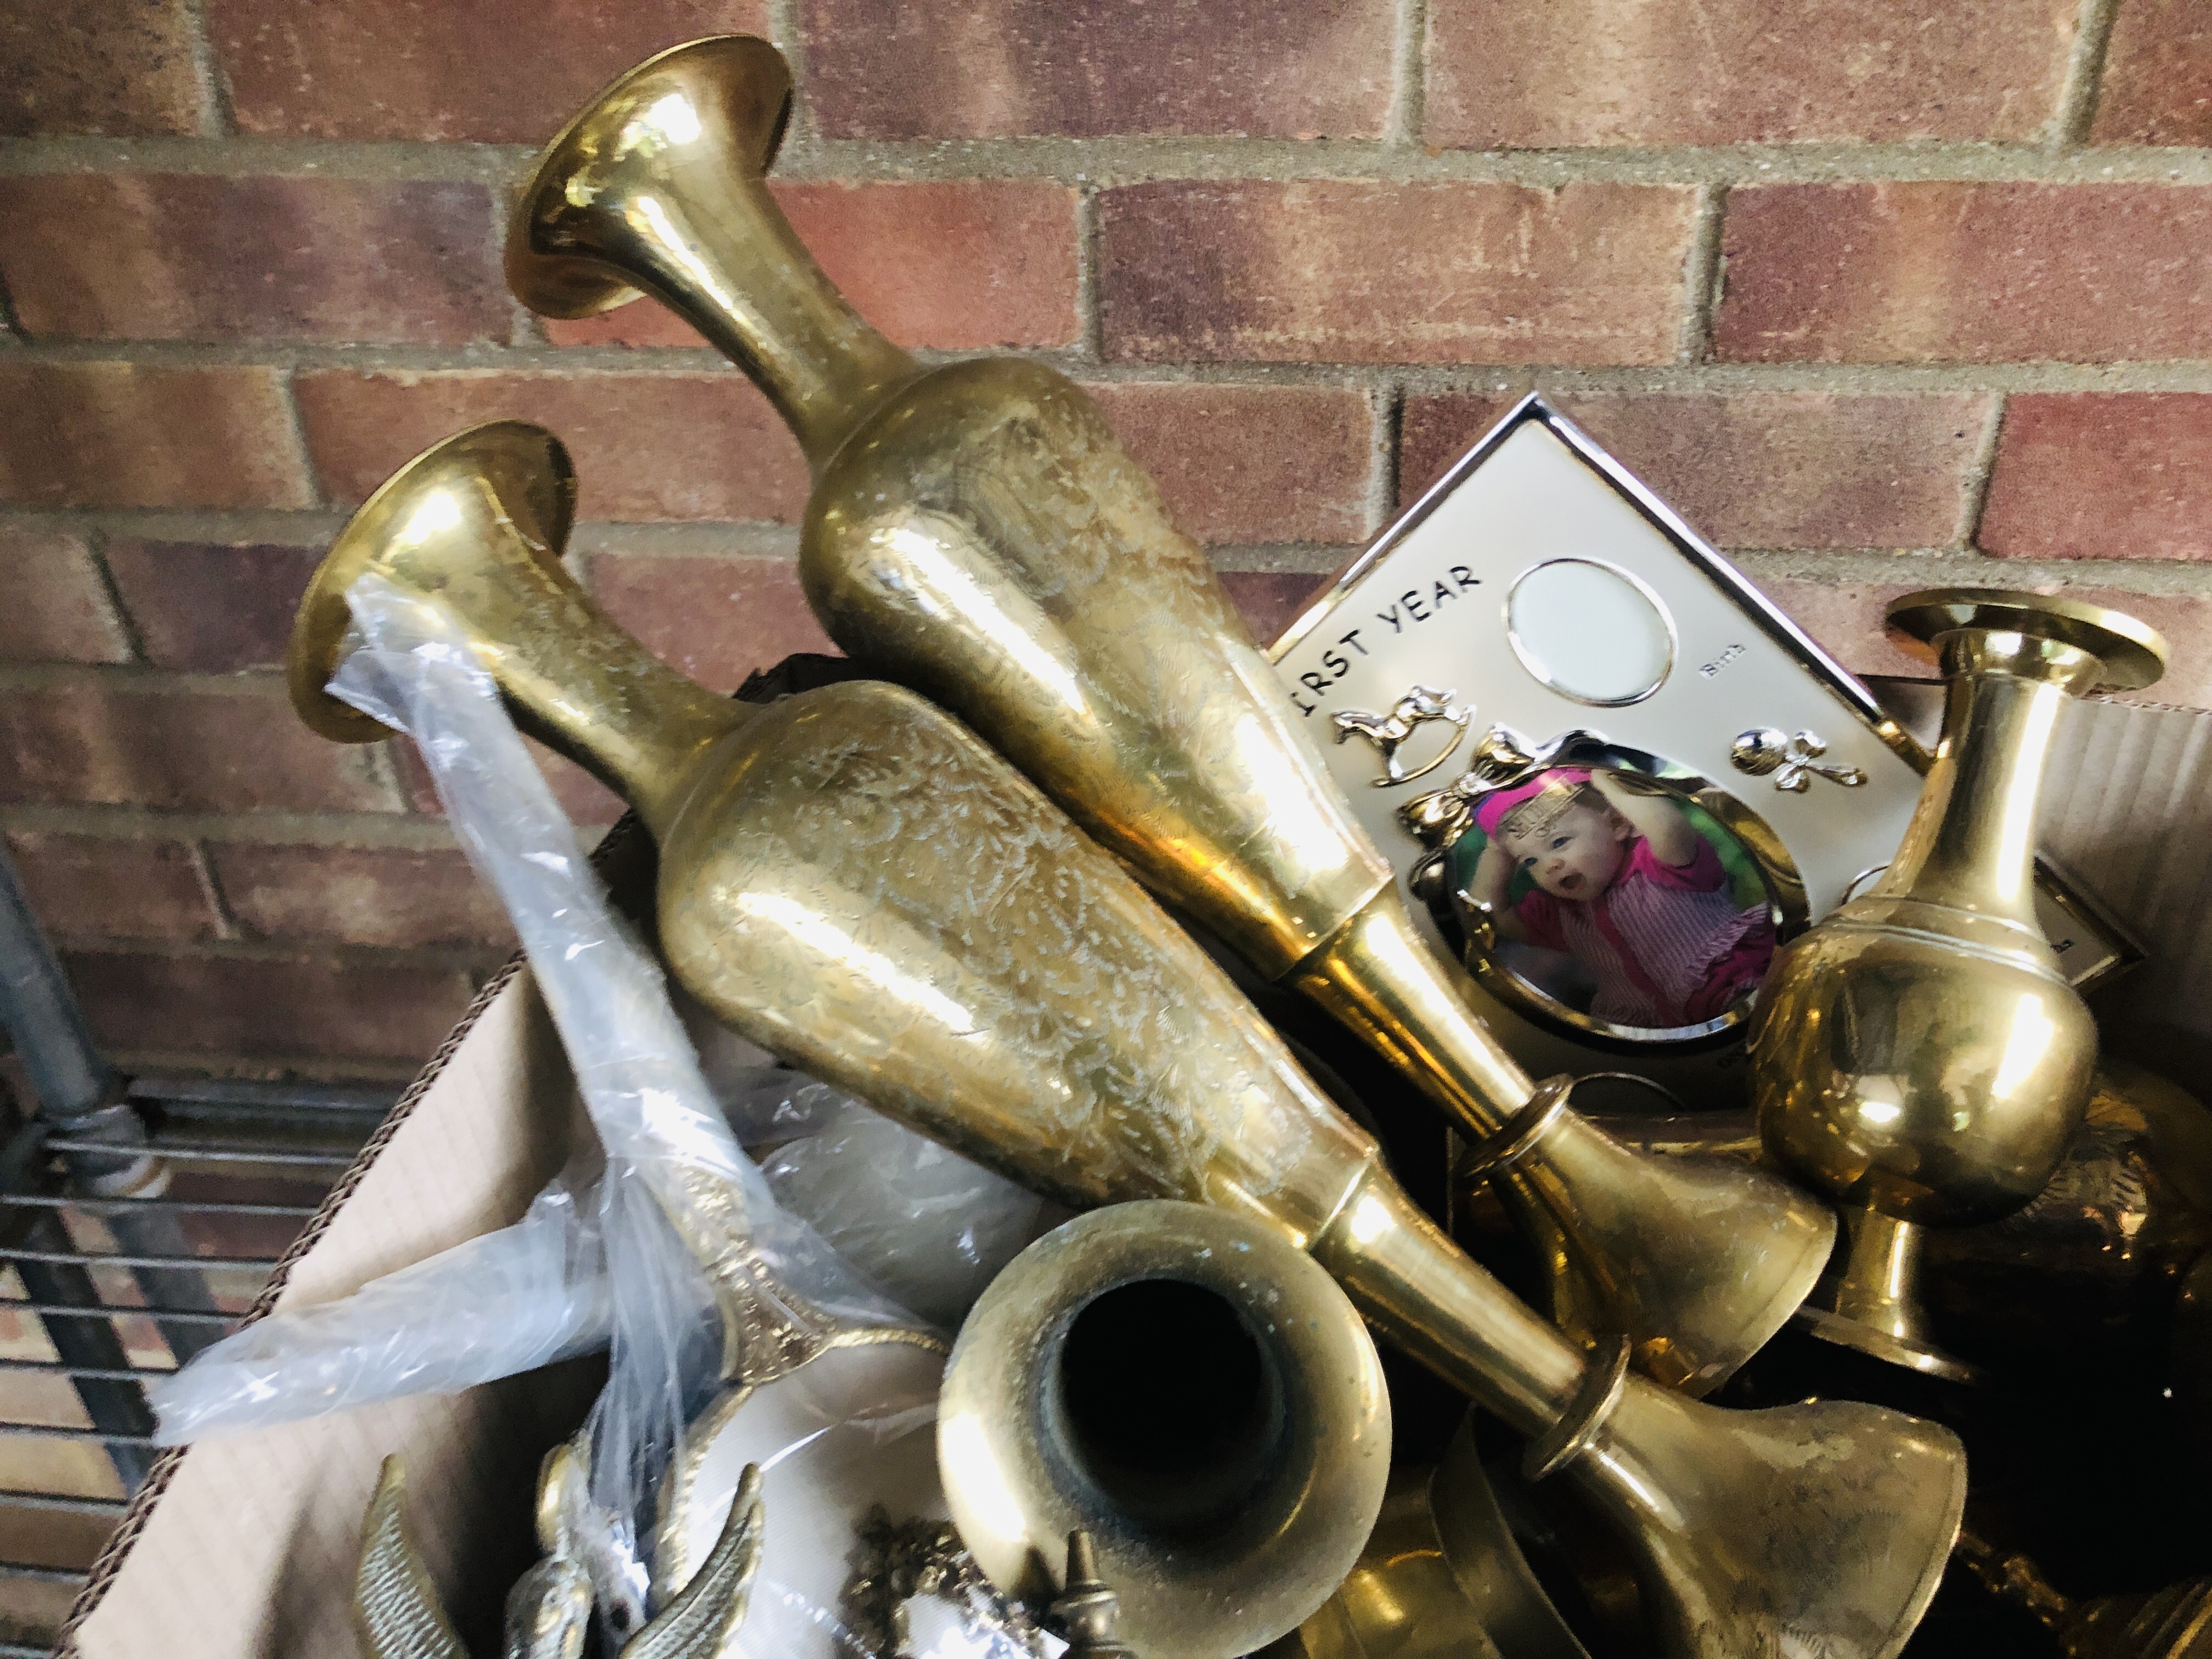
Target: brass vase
1188 1388
977 532
852 879
1917 1053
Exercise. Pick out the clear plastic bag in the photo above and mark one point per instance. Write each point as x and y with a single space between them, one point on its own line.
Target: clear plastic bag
921 1224
680 1204
506 1302
846 1433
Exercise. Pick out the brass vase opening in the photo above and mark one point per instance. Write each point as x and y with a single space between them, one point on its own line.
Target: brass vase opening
977 534
850 878
1194 1393
1917 1053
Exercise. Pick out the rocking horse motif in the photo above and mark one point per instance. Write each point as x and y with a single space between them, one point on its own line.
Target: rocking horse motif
1388 732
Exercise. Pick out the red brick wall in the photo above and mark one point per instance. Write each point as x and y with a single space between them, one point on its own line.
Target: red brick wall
1878 294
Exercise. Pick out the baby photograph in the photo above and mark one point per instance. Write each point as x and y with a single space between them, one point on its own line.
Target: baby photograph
1614 899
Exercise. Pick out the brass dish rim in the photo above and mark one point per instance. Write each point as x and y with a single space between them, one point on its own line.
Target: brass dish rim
1848 1333
2134 654
564 286
679 1485
512 448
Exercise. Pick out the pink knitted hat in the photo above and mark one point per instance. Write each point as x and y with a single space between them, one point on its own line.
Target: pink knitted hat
1491 810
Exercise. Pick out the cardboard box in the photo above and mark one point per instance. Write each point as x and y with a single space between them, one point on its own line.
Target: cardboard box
245 1545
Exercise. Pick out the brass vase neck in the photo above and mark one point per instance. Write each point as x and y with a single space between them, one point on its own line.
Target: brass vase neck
1971 844
658 186
1412 1284
475 525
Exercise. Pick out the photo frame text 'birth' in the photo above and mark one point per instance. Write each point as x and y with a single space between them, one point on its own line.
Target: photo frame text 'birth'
1613 775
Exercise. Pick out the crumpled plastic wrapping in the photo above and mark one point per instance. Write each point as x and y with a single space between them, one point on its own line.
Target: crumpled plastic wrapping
505 1302
677 1192
620 1259
922 1225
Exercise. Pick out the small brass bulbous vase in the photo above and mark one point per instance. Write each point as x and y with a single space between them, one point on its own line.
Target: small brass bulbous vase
1917 1053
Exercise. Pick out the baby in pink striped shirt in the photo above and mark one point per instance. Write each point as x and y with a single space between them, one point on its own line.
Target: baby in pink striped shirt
1622 883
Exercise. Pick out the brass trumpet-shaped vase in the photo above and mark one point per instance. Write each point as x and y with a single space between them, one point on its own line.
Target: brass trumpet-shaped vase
852 879
977 532
1917 1053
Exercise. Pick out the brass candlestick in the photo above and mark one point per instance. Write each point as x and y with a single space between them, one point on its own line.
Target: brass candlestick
850 878
977 532
1917 1052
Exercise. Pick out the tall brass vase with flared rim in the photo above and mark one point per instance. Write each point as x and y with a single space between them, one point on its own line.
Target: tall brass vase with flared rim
977 532
1917 1052
850 878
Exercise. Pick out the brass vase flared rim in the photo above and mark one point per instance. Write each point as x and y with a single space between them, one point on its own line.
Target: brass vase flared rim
523 468
566 286
2133 653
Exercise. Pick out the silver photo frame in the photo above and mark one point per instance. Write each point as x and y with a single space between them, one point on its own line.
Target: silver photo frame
1647 655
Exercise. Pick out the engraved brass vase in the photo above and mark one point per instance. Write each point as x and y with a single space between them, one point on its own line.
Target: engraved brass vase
977 532
1917 1053
852 879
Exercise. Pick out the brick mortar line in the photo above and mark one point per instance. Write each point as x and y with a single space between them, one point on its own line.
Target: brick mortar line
265 684
372 831
1701 277
718 542
1090 287
1113 161
217 119
126 621
752 541
1974 488
1386 415
272 525
786 31
294 420
228 927
1408 113
1316 559
761 540
2131 374
455 957
1842 568
2085 74
779 544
